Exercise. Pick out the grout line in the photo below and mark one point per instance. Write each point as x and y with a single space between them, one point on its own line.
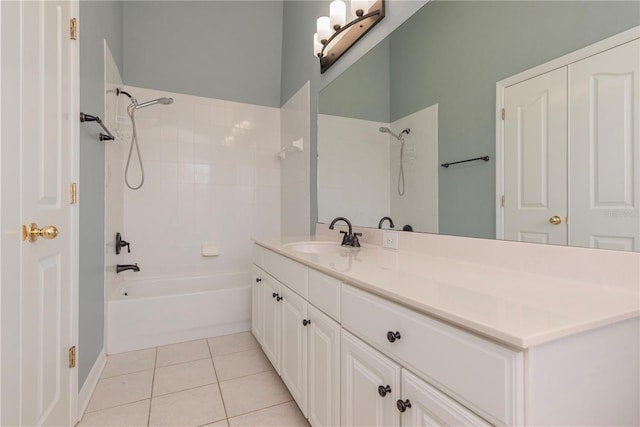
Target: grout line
224 406
116 406
153 380
236 352
267 407
186 389
247 375
186 361
127 373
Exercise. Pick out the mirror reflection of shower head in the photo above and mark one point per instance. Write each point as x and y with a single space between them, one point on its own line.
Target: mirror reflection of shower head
385 129
161 101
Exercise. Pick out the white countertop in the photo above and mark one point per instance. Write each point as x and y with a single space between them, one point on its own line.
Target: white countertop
519 309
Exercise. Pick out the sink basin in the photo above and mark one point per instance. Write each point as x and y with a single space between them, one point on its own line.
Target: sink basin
316 247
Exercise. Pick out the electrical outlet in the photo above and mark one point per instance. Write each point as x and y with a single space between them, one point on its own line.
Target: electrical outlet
390 240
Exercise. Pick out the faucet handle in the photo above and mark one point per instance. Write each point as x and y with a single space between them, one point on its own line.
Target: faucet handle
354 241
346 240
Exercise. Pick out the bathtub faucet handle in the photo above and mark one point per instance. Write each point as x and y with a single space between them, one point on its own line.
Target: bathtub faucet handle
120 243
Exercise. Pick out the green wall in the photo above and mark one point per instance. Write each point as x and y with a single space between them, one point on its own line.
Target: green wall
452 53
362 91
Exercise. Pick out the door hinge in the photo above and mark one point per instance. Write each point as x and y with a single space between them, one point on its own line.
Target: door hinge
502 200
504 113
73 194
73 29
72 357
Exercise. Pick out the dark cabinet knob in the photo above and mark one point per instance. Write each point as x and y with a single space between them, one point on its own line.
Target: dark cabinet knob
305 322
274 295
258 280
393 336
403 405
278 298
383 390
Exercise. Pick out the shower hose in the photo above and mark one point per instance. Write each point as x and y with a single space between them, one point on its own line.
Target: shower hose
131 109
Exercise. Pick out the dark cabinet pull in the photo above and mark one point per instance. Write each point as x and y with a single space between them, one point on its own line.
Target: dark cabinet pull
305 322
402 406
258 280
274 295
278 298
383 390
393 336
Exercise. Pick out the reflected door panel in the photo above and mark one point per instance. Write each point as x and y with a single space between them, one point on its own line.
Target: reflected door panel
604 148
535 157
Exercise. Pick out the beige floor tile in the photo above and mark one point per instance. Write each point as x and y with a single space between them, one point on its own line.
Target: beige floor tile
127 363
183 376
182 352
132 414
193 407
122 389
222 423
254 392
241 364
232 343
285 415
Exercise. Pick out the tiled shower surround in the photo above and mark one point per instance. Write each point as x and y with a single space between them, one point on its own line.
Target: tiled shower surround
211 176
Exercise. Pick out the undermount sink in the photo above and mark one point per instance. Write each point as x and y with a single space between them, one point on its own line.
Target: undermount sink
316 247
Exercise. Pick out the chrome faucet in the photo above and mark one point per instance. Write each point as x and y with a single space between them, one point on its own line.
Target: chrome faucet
124 267
350 238
391 224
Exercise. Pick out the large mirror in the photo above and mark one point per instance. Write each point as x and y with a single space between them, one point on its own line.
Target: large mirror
428 92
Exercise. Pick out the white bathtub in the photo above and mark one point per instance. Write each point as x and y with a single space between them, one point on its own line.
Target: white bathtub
148 313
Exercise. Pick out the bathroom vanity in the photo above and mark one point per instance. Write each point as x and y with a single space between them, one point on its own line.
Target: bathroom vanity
381 337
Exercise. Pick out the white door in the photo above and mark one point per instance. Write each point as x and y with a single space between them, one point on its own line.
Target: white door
45 72
425 406
324 369
535 159
293 359
370 385
272 314
257 302
604 149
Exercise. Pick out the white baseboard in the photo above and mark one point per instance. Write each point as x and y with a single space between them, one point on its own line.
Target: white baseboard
90 383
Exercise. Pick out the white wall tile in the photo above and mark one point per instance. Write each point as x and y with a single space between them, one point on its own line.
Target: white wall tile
201 186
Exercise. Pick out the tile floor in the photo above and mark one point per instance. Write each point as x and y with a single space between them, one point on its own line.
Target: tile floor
221 381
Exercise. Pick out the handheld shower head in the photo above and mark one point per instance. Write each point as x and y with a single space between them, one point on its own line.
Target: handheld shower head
161 101
385 129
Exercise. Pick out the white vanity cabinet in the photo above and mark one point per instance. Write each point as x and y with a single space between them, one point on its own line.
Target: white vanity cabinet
370 385
293 359
257 302
323 361
272 320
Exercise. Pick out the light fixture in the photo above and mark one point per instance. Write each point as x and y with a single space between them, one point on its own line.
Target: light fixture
335 35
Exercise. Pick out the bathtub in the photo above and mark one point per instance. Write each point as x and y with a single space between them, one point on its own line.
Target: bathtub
153 312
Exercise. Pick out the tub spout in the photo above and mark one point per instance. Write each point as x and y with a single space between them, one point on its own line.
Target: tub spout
124 267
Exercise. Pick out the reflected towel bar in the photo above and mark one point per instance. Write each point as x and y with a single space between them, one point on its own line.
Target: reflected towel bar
446 165
103 137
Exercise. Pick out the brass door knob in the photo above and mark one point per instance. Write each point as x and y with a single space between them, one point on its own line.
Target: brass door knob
32 232
555 220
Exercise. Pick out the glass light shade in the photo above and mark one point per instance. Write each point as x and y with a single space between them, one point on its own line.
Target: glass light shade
359 5
317 46
324 28
337 14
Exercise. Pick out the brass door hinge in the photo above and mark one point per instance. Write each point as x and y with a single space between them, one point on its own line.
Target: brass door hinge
72 357
73 29
504 113
502 201
73 199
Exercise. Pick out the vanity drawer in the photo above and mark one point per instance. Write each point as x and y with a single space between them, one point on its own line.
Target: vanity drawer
484 376
324 293
289 272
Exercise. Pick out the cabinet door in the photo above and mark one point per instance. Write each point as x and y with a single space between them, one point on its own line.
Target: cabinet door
324 369
293 362
272 320
257 303
364 370
425 406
